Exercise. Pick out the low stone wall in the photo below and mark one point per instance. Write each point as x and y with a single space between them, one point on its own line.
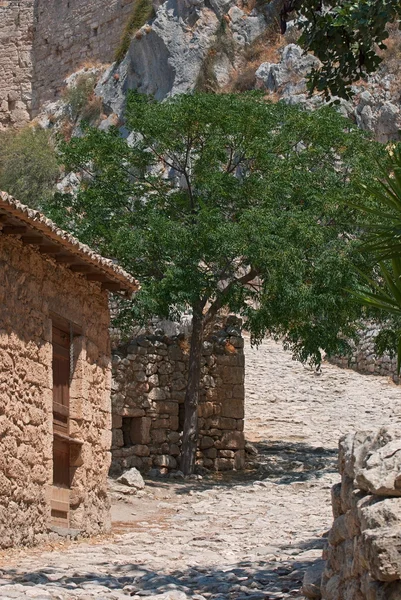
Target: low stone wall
364 359
363 556
148 401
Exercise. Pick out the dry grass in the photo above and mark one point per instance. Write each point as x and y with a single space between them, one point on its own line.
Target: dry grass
142 12
223 44
392 55
81 101
245 79
265 48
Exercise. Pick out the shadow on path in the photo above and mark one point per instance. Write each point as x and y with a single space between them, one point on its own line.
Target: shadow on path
240 581
280 462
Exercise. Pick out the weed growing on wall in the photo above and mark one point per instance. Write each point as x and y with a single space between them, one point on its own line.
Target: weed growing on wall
141 13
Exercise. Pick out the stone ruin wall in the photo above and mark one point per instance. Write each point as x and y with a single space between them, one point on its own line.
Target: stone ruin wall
363 555
69 33
364 359
148 393
16 36
32 287
44 41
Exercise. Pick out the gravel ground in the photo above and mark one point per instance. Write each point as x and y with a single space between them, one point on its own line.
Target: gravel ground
248 536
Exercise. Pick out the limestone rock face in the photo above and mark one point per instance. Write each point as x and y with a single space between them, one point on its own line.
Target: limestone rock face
133 478
167 55
288 76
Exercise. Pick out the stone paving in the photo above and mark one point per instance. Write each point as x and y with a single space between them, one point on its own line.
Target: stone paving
241 537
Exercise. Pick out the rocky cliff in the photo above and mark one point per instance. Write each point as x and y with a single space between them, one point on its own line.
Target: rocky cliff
234 45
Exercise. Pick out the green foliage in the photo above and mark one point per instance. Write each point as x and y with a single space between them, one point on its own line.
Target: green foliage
213 191
28 165
80 99
384 237
141 13
383 293
345 35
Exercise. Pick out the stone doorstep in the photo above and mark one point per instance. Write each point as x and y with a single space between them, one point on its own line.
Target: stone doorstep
65 531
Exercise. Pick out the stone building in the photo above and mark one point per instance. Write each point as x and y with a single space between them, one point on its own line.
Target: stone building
148 391
44 41
55 378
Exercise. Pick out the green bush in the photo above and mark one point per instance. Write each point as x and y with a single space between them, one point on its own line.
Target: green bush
28 165
80 98
141 13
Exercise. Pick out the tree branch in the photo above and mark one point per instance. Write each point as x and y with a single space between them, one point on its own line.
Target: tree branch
219 302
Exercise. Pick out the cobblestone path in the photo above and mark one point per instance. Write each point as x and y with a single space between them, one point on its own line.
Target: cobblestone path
247 537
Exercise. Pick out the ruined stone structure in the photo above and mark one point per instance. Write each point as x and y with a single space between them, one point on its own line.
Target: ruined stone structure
16 36
55 378
43 41
148 395
364 358
363 559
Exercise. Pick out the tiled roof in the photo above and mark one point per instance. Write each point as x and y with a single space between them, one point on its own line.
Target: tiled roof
19 219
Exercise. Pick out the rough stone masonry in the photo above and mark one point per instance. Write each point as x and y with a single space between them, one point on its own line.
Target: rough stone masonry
363 558
31 288
148 400
43 41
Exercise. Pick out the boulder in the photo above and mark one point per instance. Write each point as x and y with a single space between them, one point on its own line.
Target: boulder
311 587
381 472
376 512
287 76
132 478
382 553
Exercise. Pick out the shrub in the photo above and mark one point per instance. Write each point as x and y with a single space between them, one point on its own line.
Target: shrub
28 165
245 80
223 44
80 99
141 13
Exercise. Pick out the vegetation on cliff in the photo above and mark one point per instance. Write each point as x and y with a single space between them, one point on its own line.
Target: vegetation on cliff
141 13
346 35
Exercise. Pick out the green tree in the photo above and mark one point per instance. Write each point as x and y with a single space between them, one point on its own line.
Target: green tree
382 293
28 165
344 34
228 202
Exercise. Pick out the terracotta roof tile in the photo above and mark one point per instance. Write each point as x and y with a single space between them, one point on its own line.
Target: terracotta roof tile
41 224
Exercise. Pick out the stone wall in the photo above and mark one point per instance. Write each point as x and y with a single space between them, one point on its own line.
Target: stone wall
363 558
33 289
364 359
148 395
16 35
43 41
68 34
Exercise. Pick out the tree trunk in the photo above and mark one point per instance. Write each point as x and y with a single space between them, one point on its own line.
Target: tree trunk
190 434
